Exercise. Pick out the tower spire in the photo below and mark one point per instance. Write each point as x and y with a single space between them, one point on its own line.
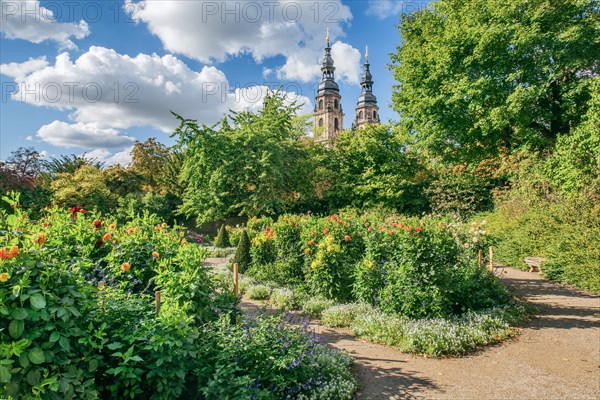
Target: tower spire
367 111
328 114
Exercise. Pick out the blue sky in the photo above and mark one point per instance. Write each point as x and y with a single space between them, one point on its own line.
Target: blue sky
94 76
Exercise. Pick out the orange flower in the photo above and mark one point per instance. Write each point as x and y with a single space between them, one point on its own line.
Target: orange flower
306 251
112 226
409 228
347 238
184 242
370 229
325 231
157 228
419 229
106 237
14 251
4 254
155 254
41 239
311 242
4 277
125 267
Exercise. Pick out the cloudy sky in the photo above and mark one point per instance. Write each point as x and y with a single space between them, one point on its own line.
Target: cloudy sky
95 76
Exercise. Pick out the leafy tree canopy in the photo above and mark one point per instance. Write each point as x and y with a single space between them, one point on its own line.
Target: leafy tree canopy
478 76
249 164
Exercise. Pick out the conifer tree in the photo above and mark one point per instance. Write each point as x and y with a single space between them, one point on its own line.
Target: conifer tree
242 253
222 239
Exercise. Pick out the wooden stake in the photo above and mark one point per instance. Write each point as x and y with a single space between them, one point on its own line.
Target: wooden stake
236 288
480 257
491 266
157 300
235 281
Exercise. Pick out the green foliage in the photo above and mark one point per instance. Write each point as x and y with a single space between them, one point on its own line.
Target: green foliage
258 292
222 239
314 306
151 160
79 320
242 253
279 361
250 164
373 166
133 204
477 77
459 193
86 187
566 233
415 267
285 299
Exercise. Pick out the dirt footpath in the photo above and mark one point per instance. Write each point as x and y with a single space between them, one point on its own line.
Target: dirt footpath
555 356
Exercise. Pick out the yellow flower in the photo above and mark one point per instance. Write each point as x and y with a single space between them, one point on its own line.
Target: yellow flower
164 225
184 242
112 226
4 277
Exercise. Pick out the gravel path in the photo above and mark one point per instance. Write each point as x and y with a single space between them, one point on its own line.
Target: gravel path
555 356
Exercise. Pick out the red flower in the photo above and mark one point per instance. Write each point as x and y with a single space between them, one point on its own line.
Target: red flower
370 229
325 231
419 229
4 254
347 238
97 223
99 243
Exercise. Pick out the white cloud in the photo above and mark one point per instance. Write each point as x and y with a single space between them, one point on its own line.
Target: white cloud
19 70
86 135
107 92
28 20
251 99
346 61
210 30
108 158
391 8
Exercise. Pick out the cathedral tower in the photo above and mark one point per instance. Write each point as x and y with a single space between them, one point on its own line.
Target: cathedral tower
328 115
367 111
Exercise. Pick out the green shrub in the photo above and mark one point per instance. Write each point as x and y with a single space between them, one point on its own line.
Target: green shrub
438 337
285 299
280 361
242 253
222 239
258 292
315 306
344 315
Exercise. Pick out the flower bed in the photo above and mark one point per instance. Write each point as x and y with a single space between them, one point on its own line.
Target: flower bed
79 319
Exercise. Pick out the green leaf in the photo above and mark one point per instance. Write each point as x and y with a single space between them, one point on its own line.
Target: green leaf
4 374
64 343
19 314
16 328
36 356
115 345
12 221
33 377
24 360
37 301
54 337
93 365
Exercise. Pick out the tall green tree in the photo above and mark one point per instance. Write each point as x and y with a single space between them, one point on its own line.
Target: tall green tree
374 166
149 159
476 77
249 164
86 187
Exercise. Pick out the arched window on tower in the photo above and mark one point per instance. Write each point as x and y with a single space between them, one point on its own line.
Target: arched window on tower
320 121
336 126
360 115
335 104
321 104
374 114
